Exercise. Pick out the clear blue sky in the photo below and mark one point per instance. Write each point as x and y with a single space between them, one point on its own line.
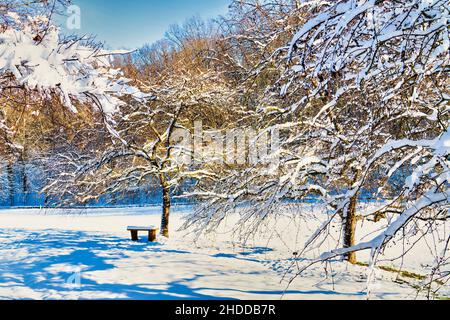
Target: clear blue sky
131 23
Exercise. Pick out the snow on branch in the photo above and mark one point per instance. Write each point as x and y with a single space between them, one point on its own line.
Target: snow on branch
37 59
390 43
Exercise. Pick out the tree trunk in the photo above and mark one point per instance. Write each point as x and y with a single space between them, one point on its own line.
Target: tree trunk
166 212
24 180
350 229
11 191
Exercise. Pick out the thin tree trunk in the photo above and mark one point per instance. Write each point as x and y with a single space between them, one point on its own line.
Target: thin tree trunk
350 229
165 206
23 162
166 212
10 173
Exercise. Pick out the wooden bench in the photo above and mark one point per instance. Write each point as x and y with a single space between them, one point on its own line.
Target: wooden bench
151 232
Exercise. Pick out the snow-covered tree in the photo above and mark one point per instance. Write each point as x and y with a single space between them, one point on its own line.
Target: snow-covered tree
395 55
363 105
146 150
40 69
34 57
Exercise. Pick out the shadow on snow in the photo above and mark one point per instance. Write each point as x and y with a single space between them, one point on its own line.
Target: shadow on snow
46 257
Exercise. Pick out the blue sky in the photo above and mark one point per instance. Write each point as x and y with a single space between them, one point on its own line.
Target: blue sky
131 23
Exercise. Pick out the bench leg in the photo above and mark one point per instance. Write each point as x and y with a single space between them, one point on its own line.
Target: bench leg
134 235
152 236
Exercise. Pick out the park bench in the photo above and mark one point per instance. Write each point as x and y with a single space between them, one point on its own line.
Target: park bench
151 232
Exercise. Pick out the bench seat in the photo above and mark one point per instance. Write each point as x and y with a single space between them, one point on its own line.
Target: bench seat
152 230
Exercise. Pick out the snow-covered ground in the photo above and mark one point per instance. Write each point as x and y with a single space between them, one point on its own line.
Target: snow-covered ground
88 255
